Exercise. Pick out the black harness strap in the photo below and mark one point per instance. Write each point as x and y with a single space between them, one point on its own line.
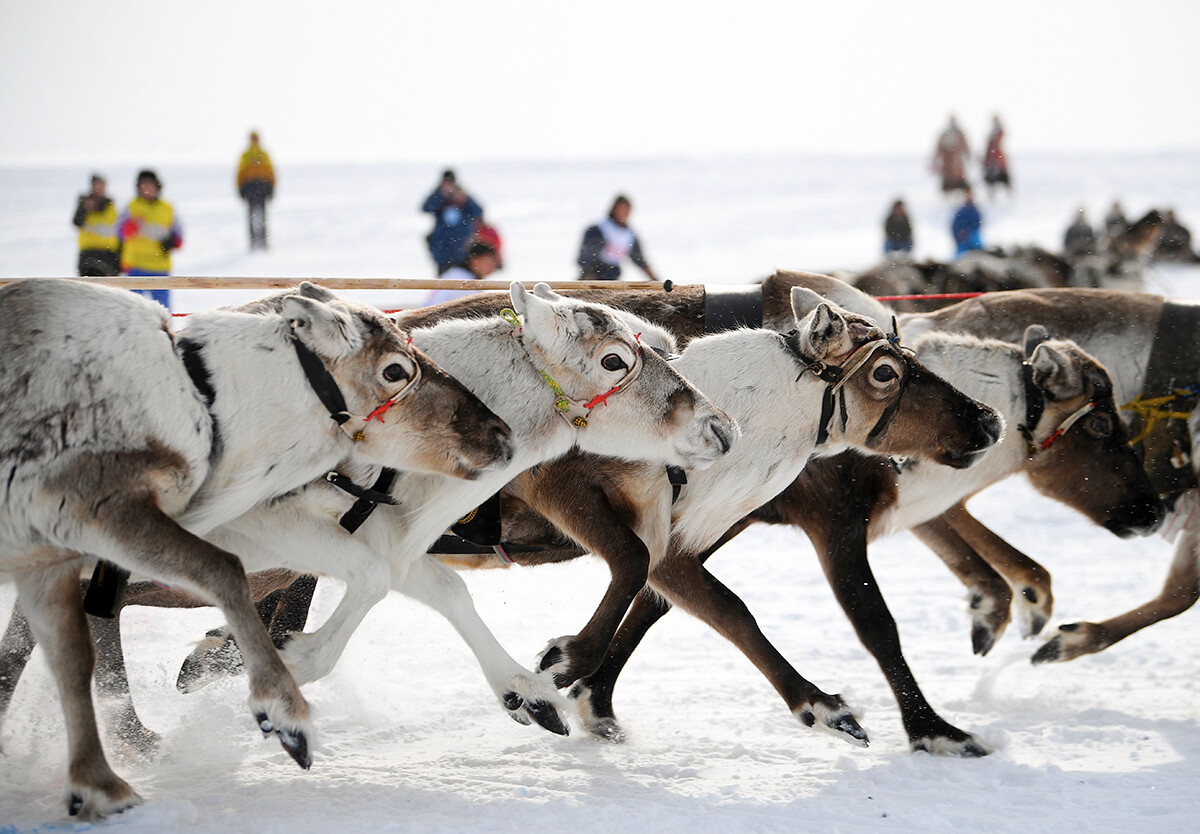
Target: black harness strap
322 382
729 307
368 499
1035 404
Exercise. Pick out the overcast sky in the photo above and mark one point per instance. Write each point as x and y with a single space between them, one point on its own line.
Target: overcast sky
156 81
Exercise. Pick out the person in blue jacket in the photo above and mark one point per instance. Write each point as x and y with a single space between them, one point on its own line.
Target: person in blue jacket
965 226
455 213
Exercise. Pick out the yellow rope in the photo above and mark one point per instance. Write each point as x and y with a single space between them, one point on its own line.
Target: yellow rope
1149 409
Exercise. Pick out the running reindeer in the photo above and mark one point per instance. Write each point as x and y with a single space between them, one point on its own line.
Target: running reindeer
122 440
565 374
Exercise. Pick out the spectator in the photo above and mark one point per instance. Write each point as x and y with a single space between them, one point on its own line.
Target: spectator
1114 221
256 184
489 234
96 217
965 226
149 230
1174 242
897 230
995 163
608 243
1080 238
950 158
481 261
455 214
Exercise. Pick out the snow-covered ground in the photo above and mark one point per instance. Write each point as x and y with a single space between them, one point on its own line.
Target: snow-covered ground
410 737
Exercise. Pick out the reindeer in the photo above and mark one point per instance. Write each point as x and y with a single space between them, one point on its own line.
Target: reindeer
564 374
122 440
1150 347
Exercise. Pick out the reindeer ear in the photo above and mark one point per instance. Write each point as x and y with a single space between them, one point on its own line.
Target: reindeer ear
804 301
310 290
1056 371
542 290
823 332
516 291
1034 335
324 329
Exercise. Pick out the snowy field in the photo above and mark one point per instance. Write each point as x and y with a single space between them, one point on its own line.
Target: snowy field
410 736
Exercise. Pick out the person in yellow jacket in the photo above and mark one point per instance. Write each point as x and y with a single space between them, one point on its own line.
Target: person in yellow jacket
256 184
148 231
96 217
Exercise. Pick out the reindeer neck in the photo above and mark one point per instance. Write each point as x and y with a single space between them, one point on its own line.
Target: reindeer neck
752 376
263 408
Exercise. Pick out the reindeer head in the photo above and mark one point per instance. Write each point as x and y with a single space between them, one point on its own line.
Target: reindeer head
623 400
1080 452
411 414
891 403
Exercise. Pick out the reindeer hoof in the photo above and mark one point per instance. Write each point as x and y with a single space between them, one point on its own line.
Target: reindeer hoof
837 719
983 639
966 747
296 744
548 717
514 703
607 730
1050 652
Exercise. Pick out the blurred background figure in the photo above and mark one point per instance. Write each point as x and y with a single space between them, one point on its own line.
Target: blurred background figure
965 225
897 230
96 217
1174 242
608 243
995 163
149 230
481 260
487 233
1114 221
455 213
1080 238
256 184
950 157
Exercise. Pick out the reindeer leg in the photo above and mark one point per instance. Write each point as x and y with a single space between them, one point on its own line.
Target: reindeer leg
132 531
1029 580
524 695
612 533
844 559
112 683
1179 593
687 583
50 599
989 595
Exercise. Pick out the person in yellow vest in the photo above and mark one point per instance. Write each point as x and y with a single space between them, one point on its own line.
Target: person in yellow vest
148 231
256 184
96 217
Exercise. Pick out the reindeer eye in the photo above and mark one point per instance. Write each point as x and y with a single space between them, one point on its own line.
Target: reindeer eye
612 362
884 373
1098 425
395 372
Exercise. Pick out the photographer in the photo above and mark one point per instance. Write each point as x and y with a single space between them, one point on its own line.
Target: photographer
455 214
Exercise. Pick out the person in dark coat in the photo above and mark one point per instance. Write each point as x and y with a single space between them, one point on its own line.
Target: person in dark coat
455 213
96 218
608 243
897 230
1080 238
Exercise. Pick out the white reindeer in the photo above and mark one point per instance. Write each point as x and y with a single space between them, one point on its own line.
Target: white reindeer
565 374
119 441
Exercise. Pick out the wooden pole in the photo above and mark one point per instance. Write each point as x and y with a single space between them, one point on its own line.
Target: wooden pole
183 282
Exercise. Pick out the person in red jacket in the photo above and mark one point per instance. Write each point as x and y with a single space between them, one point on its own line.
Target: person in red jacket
995 163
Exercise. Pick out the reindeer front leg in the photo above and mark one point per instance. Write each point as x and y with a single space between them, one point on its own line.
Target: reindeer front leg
684 581
524 695
1179 593
50 600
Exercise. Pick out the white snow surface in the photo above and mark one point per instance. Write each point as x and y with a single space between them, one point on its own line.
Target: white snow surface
410 738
